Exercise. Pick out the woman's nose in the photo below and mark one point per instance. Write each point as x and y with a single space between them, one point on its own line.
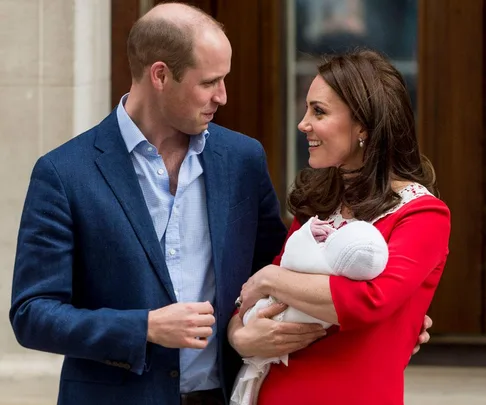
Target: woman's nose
304 126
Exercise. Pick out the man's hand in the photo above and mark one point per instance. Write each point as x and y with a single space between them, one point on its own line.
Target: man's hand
265 337
181 325
424 336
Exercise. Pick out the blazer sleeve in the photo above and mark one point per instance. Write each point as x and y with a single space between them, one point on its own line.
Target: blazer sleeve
271 230
42 314
418 245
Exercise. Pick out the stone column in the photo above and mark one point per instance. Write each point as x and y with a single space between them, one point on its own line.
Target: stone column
54 84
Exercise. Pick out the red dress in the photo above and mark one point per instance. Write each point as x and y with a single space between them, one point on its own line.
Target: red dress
363 360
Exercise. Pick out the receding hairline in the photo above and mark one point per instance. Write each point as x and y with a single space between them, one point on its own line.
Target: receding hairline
169 32
184 16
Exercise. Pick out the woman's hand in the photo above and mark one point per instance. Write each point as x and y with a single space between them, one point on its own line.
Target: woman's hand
424 336
265 337
256 287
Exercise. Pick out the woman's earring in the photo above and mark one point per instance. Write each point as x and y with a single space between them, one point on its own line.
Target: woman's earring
361 142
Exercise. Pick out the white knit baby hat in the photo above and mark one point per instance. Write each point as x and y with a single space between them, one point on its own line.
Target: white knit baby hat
357 251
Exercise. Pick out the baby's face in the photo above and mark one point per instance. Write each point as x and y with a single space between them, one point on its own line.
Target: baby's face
320 229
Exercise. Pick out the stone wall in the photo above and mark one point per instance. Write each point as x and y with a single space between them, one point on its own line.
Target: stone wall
54 84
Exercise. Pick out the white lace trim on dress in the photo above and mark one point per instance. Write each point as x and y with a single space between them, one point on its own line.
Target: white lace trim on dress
407 194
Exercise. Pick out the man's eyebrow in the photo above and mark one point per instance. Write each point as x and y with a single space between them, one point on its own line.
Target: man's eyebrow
213 79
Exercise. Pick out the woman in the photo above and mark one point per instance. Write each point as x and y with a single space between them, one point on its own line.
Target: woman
365 165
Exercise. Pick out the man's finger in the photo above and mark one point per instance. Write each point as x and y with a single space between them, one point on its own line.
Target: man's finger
205 320
201 307
195 343
206 308
272 310
203 332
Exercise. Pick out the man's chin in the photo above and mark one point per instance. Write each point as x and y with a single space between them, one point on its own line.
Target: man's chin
197 130
203 127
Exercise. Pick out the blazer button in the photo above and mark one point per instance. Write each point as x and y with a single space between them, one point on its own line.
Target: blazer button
174 374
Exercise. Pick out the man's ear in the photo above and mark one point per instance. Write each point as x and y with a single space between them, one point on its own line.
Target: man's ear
159 75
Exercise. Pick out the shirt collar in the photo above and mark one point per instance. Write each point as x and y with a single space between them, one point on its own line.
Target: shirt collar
197 143
132 135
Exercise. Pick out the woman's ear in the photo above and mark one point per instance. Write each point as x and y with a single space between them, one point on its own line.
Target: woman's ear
362 132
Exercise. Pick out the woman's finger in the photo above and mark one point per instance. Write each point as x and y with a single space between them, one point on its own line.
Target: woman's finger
272 310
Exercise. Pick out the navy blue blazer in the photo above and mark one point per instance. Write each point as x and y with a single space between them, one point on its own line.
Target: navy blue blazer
89 266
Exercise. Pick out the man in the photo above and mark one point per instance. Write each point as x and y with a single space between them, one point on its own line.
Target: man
137 235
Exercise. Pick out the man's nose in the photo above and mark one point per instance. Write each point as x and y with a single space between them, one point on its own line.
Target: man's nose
220 96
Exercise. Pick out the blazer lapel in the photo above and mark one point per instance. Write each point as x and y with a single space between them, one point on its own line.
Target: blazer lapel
116 166
216 178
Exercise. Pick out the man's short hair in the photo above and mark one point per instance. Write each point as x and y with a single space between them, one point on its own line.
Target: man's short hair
157 39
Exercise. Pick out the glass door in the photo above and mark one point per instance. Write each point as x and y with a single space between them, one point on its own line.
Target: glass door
317 27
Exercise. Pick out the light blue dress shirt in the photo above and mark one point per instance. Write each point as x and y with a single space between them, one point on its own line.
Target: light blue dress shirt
181 224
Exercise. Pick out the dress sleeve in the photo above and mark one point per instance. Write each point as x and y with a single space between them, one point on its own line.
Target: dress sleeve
418 245
293 227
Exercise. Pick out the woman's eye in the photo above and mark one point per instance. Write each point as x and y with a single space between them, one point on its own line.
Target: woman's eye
318 111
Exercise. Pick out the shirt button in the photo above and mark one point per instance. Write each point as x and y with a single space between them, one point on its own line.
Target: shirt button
176 293
174 374
150 149
172 252
160 171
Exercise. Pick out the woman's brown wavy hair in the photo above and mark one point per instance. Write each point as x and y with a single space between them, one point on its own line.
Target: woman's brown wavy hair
376 94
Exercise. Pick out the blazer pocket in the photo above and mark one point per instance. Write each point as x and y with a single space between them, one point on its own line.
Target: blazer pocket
239 210
90 371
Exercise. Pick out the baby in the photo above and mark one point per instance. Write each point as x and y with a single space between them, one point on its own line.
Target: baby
357 251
